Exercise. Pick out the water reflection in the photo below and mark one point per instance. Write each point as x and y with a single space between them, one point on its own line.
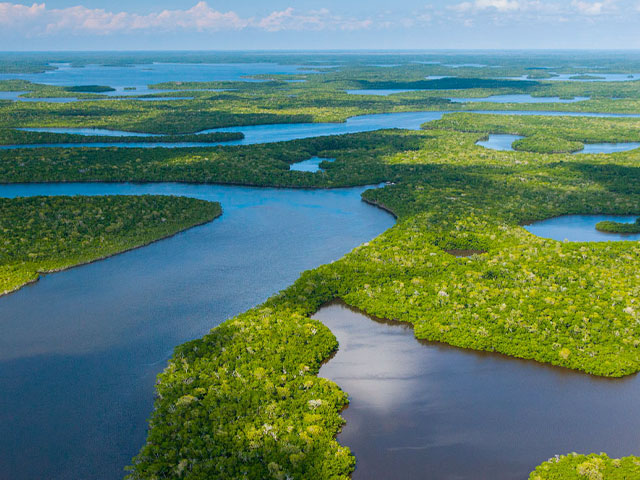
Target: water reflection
500 142
423 410
311 165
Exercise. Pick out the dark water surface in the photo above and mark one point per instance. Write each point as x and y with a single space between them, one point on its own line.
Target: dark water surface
423 410
80 349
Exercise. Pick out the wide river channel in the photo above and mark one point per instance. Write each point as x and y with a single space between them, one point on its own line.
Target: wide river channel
80 349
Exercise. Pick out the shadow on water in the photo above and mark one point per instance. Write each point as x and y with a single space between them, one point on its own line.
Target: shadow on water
428 410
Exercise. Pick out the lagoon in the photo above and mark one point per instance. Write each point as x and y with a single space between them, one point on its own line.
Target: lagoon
500 142
311 165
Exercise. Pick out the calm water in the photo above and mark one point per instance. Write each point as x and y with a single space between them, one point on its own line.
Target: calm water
581 228
80 350
100 132
431 411
519 99
140 76
311 165
291 131
504 142
608 147
600 77
499 141
380 92
566 77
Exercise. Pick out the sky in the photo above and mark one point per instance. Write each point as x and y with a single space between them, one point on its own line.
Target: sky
319 25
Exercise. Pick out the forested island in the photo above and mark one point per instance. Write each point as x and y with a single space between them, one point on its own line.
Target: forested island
618 227
40 235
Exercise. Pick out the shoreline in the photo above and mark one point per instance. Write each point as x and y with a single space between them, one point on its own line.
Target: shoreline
41 273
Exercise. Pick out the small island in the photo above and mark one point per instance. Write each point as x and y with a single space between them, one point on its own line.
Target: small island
619 227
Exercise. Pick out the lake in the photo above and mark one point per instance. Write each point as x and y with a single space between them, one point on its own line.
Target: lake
500 142
428 410
81 349
311 165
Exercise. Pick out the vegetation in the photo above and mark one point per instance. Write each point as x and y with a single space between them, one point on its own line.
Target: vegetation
22 137
541 143
618 227
46 234
544 134
587 467
245 401
523 296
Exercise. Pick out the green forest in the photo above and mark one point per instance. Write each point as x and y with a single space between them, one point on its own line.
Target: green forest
41 235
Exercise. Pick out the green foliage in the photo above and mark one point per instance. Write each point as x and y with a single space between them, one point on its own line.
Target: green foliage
587 467
46 234
245 402
22 137
89 89
618 227
541 143
545 134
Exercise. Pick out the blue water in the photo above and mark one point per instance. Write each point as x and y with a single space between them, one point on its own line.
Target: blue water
520 98
80 349
101 132
10 95
581 228
566 77
501 142
140 76
311 165
15 96
380 92
608 147
504 142
291 131
601 77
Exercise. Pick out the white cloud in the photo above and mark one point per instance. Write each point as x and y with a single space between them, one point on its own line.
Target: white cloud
594 8
496 5
500 5
321 19
40 20
540 10
10 12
